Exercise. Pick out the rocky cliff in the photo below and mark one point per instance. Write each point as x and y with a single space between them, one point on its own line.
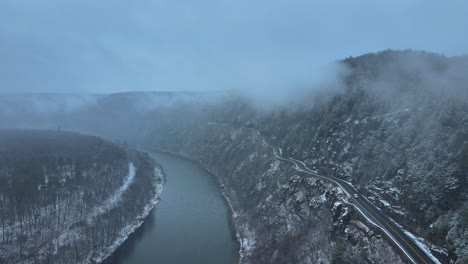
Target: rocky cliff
280 215
396 126
397 129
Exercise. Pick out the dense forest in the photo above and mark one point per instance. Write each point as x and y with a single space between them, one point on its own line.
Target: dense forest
69 198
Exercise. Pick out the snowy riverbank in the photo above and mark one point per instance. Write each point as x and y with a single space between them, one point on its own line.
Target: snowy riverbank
94 237
245 238
133 226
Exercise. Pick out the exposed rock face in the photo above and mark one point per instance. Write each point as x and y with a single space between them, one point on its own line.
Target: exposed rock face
280 215
398 129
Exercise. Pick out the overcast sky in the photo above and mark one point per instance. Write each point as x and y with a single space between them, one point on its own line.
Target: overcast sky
193 45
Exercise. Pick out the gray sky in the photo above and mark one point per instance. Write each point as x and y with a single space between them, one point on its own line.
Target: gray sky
109 46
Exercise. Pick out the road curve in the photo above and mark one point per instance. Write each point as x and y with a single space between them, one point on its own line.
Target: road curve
368 210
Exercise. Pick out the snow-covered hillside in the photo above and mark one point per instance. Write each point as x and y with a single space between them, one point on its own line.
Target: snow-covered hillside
69 198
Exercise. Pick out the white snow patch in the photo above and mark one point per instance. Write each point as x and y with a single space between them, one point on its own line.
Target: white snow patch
248 242
112 201
348 230
130 228
385 203
346 149
441 251
274 166
419 241
323 198
362 226
336 204
339 191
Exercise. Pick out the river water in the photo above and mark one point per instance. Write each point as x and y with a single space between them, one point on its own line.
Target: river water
189 225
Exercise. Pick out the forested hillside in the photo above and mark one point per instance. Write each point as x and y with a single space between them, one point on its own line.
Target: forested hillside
396 127
69 198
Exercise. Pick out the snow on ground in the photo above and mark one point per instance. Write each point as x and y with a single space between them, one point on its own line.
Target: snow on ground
274 166
395 190
248 242
112 201
347 147
361 226
245 236
419 241
339 191
71 233
385 203
336 204
252 156
323 198
131 227
348 168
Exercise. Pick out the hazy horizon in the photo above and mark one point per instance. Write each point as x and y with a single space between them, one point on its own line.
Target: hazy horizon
109 47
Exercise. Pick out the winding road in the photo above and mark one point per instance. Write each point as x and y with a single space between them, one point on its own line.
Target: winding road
368 210
408 246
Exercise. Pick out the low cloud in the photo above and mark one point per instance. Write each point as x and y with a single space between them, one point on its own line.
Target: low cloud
322 83
406 76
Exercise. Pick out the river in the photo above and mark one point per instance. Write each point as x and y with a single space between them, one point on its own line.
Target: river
189 225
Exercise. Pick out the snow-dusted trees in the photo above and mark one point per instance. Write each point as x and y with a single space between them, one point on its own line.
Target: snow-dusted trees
54 190
399 129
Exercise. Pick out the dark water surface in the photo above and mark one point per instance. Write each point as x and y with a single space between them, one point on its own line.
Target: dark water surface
189 225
